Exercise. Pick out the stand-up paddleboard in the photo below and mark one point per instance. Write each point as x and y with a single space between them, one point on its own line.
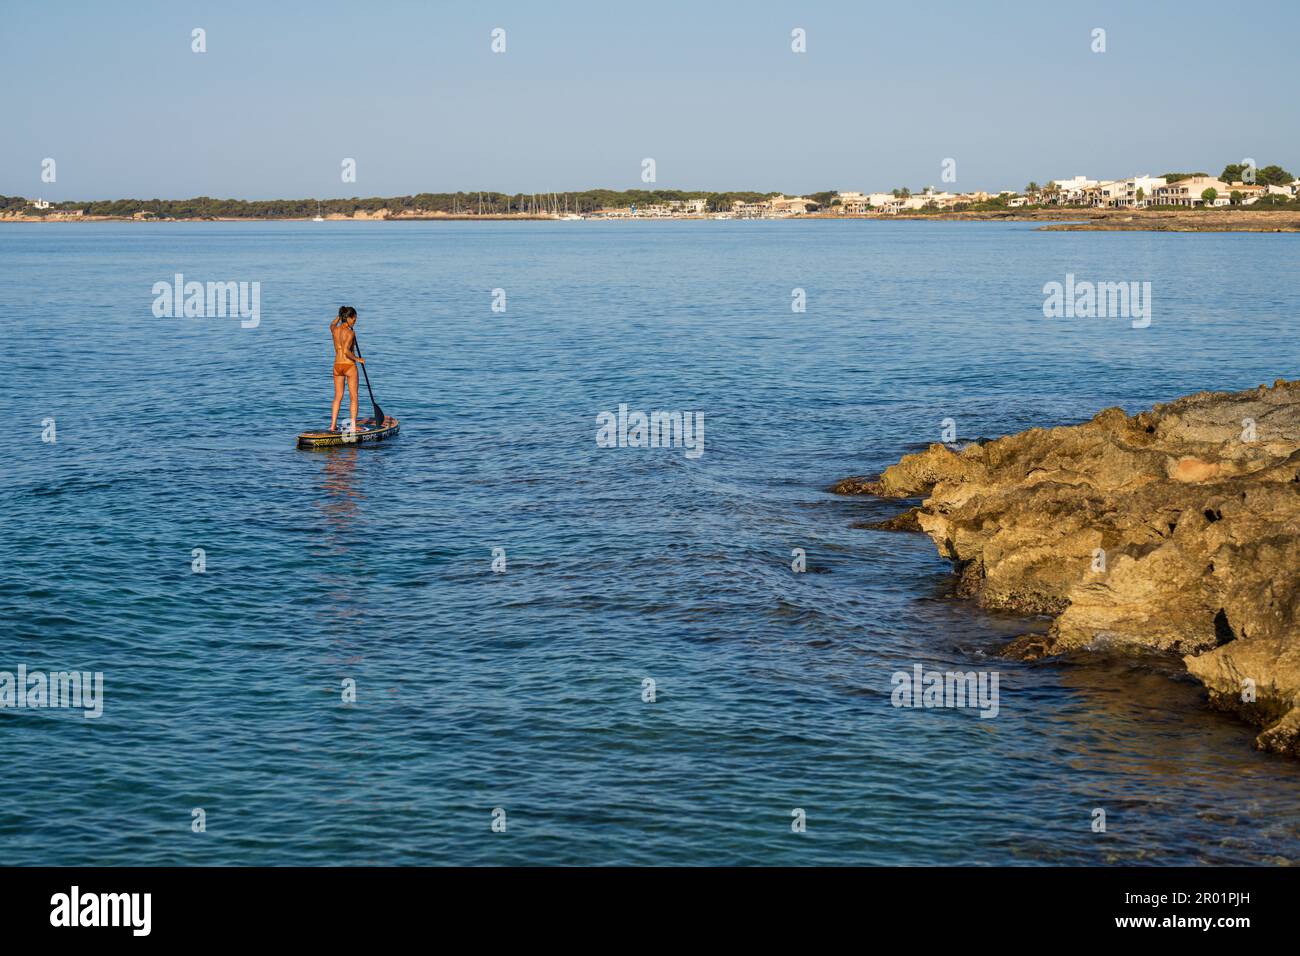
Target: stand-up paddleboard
365 431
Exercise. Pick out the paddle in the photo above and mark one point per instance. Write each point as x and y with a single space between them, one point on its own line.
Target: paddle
379 412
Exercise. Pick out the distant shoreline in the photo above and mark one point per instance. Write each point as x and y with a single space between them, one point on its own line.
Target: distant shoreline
1057 219
170 219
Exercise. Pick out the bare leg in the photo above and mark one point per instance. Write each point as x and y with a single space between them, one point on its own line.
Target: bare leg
338 398
352 393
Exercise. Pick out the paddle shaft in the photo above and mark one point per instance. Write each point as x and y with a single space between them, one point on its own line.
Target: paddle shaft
379 412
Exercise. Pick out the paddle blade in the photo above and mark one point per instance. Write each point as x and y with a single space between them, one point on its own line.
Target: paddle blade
379 417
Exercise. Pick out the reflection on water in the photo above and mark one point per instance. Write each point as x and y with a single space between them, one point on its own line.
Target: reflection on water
342 499
339 505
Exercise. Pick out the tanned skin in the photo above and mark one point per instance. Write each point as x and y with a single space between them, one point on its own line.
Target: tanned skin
345 366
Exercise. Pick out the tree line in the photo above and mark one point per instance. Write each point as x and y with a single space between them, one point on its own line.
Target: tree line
505 204
459 203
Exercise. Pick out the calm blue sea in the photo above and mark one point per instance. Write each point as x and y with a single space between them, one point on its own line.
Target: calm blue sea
523 691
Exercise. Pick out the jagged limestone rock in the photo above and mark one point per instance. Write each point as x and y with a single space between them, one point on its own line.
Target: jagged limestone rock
1177 529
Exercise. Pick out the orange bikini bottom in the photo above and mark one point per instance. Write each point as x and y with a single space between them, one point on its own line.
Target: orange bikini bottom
343 368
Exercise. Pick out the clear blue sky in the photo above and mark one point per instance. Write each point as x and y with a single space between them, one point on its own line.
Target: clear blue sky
584 91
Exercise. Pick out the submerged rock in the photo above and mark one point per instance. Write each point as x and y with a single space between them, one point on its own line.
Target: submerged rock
907 521
1177 529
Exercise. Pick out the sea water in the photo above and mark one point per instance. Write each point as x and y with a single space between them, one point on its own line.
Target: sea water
496 639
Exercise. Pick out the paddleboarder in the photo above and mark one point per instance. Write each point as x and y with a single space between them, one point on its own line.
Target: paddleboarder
345 362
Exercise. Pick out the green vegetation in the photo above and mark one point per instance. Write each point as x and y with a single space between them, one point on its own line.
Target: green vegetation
586 201
1273 202
1264 176
461 203
718 202
1209 195
992 204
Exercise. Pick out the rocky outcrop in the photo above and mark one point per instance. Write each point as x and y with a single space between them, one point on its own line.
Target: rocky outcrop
1175 530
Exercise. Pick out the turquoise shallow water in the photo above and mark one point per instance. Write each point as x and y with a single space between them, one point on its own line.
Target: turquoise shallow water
523 690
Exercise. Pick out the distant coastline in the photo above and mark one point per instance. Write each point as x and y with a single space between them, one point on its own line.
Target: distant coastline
1052 219
1223 219
1243 198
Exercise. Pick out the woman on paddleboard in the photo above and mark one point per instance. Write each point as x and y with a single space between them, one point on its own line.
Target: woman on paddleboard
345 362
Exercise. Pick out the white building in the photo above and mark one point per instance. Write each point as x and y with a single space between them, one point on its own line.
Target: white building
1187 192
853 204
1071 190
1105 193
1146 184
928 198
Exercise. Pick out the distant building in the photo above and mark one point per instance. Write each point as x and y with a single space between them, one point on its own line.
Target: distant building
748 210
929 199
1187 192
1103 194
1123 193
39 203
674 208
779 206
852 204
1147 185
790 205
1250 192
860 204
1070 191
